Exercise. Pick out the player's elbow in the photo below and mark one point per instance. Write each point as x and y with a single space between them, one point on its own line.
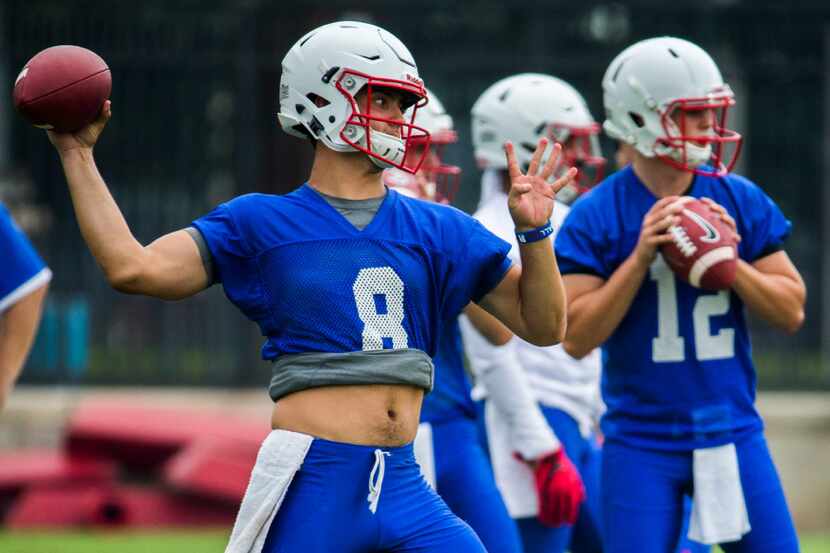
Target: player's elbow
574 348
550 337
794 323
124 279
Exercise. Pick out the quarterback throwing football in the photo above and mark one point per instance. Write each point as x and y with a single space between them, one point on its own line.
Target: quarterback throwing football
350 284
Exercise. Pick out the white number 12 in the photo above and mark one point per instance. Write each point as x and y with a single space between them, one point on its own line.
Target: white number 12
669 345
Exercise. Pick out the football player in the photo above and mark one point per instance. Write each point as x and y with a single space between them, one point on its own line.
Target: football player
24 280
447 445
623 156
350 284
678 378
520 109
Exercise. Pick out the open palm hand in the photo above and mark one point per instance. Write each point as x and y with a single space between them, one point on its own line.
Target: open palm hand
531 196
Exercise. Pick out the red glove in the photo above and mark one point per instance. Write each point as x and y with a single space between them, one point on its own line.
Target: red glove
559 489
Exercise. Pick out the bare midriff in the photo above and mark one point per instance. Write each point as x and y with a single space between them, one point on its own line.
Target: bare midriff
369 414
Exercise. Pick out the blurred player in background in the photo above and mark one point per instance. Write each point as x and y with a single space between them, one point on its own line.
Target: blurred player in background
24 281
520 109
447 446
351 286
678 379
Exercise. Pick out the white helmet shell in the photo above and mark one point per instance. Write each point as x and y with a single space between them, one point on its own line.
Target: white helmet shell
645 83
522 109
324 71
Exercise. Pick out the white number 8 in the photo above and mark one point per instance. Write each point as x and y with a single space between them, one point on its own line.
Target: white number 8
369 284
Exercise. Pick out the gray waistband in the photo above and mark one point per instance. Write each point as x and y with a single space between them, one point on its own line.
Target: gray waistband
297 372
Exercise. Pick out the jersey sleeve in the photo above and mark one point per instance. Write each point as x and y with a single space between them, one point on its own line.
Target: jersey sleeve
488 260
577 246
766 226
23 271
227 246
478 263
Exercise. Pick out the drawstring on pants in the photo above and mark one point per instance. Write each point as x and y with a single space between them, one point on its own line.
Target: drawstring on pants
374 486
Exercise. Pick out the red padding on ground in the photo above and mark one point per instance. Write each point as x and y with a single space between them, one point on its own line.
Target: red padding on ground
23 468
213 468
144 438
122 506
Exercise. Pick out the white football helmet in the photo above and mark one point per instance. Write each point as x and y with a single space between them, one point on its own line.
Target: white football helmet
324 71
525 107
435 181
645 85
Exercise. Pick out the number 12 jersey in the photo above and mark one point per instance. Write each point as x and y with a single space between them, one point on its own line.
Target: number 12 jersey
677 371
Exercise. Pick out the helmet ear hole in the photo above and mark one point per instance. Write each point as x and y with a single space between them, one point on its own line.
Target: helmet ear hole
637 119
318 100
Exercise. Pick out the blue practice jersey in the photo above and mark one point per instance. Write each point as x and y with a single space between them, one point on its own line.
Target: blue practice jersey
21 268
450 398
315 283
677 371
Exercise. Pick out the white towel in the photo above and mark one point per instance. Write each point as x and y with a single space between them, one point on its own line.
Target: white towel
718 508
280 457
425 453
514 478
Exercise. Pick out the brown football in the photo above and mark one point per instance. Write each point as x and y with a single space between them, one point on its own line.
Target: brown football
703 250
62 88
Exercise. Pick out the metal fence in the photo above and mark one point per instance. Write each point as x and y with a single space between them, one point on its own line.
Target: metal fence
194 102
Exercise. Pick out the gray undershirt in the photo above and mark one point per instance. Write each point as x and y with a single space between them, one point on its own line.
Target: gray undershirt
358 212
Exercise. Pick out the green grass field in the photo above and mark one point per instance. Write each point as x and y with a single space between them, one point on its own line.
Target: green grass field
184 542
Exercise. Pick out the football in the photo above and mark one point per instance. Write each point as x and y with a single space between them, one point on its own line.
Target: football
703 250
62 88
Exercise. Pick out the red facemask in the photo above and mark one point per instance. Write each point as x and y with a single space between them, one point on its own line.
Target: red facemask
723 143
390 151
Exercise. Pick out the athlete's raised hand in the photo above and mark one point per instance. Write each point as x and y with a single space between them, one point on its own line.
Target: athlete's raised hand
84 138
531 195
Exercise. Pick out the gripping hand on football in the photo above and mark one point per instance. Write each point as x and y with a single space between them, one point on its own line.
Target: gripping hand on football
656 222
559 489
724 216
84 138
531 195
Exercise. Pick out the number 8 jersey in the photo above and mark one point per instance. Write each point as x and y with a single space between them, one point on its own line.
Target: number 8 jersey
677 371
315 284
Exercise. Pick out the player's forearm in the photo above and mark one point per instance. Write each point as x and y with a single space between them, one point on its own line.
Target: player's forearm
777 299
543 304
102 225
594 316
18 326
487 325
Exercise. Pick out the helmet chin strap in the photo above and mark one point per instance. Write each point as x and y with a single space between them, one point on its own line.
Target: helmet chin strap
390 148
695 155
